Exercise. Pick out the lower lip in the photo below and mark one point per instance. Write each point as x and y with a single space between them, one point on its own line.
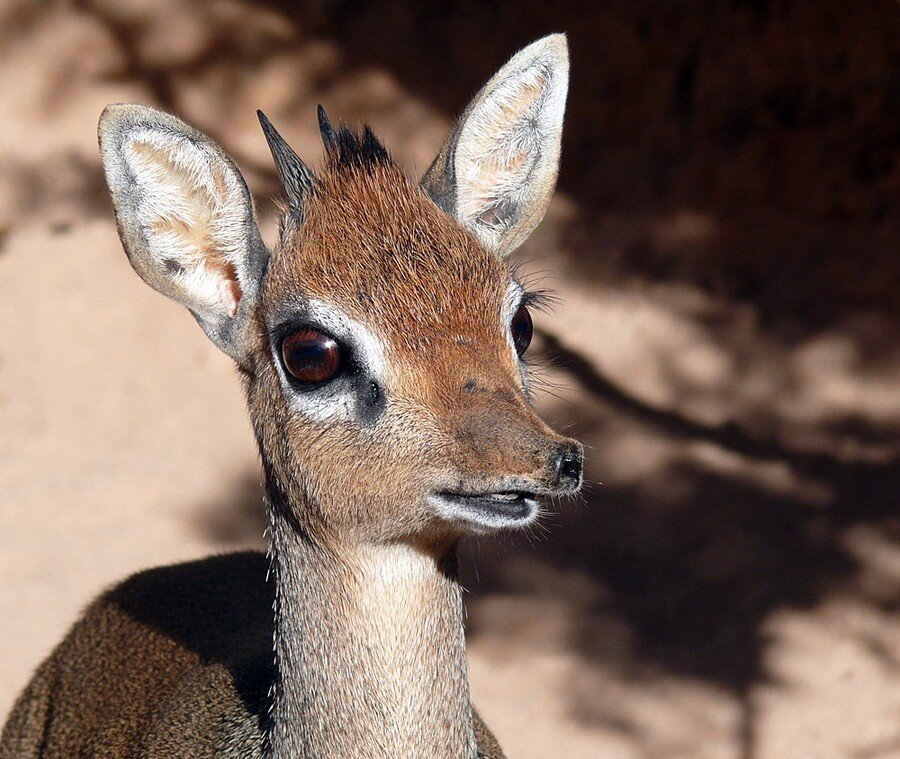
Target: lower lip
518 509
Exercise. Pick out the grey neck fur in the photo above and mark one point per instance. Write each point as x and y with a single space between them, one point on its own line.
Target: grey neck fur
370 651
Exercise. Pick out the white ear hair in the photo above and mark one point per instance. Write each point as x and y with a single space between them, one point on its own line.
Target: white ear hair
185 217
497 171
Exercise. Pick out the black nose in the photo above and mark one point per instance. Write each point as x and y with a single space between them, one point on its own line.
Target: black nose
568 462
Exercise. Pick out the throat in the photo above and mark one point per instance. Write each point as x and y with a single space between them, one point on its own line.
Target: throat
370 652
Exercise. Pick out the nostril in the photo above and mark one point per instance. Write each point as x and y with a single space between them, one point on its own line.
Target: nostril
568 464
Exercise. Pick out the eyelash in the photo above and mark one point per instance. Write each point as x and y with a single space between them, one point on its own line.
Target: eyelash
539 300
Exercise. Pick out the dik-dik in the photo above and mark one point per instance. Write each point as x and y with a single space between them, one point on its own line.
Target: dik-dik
380 344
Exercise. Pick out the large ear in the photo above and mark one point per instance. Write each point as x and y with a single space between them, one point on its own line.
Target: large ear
185 218
497 170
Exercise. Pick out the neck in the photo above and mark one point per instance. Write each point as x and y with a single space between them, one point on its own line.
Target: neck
370 651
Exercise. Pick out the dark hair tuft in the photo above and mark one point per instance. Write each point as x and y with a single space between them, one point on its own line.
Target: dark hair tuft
349 149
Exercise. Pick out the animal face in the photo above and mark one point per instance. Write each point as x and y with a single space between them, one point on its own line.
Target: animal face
382 338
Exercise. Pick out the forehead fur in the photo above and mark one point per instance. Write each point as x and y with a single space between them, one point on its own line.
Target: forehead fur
372 242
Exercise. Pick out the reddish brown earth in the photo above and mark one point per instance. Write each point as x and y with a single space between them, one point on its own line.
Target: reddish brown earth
724 244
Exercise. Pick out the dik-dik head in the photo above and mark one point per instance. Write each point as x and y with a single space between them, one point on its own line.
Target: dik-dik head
382 338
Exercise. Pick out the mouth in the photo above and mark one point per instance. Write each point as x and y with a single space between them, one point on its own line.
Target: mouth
487 511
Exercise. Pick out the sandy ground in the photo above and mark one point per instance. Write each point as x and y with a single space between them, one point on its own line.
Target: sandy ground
729 585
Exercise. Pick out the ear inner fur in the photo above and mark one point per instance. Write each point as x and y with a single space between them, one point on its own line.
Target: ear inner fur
186 219
497 170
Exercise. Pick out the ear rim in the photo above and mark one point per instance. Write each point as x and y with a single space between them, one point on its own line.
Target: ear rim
440 180
117 122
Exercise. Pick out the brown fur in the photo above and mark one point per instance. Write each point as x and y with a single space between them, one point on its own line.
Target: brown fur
374 244
369 647
196 640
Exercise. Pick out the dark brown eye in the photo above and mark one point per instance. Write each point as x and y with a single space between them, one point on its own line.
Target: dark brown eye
311 356
522 329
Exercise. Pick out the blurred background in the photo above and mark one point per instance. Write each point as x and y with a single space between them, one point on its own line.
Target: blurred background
724 244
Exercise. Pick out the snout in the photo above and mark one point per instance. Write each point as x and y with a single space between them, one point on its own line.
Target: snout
505 458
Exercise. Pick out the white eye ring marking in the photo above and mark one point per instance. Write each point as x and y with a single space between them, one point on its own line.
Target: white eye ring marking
515 295
333 401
